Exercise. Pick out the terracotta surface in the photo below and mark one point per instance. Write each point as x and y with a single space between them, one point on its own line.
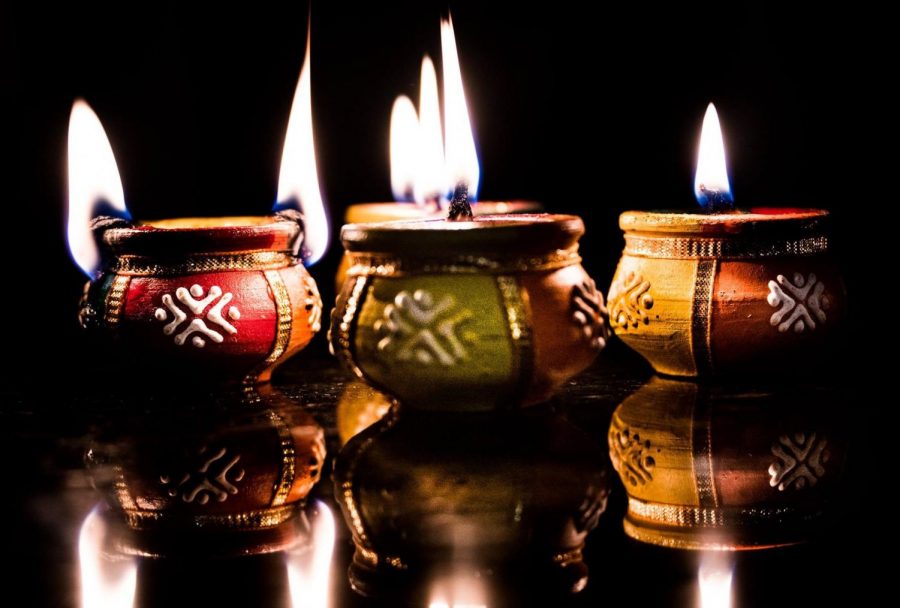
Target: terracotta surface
487 314
236 277
727 294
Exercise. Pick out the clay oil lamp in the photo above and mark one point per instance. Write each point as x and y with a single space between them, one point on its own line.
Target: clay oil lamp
719 468
224 299
505 499
421 156
481 313
725 291
220 475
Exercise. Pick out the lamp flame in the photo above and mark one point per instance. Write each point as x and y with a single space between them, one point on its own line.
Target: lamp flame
298 179
95 187
711 185
404 148
714 579
308 572
105 582
428 163
461 157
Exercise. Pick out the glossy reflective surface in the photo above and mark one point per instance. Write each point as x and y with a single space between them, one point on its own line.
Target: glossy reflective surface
520 478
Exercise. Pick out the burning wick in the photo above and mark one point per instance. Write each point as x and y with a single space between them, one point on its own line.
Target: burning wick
460 209
714 201
711 185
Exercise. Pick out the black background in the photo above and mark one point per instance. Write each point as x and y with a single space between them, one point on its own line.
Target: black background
589 110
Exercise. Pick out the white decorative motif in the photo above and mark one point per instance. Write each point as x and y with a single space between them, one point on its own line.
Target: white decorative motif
423 330
195 302
209 481
801 460
795 301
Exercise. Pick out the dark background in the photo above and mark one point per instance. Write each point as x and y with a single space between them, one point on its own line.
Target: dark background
589 110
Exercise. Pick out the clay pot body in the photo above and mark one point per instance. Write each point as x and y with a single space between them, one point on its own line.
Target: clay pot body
478 315
218 299
730 294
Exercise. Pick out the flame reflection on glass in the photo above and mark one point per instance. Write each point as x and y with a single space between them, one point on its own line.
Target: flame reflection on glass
95 187
298 179
309 571
711 185
106 582
458 592
714 580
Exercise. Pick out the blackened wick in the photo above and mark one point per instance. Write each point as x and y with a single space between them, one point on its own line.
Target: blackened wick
460 209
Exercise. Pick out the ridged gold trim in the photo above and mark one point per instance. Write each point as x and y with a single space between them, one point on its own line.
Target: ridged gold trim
365 264
682 516
691 248
252 520
285 322
288 459
252 260
115 301
342 343
701 315
518 319
572 556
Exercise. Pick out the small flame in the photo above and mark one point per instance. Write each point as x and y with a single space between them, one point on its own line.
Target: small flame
428 163
430 184
461 157
105 582
298 180
95 187
714 579
711 186
404 148
308 572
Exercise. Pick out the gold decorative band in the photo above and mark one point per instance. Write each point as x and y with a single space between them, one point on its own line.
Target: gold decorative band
572 556
252 260
366 264
701 314
691 247
341 335
247 520
519 322
285 322
681 516
288 459
115 301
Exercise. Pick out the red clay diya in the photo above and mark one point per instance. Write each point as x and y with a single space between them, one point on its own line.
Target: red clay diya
220 298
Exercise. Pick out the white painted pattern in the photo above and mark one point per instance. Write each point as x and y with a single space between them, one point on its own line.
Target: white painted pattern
800 303
195 302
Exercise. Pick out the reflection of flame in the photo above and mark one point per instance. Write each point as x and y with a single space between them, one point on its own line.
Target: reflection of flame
427 165
458 592
308 572
104 583
461 158
711 185
298 180
94 184
714 579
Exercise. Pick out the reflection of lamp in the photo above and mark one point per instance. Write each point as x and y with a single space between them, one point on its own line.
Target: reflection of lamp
223 477
507 498
718 468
